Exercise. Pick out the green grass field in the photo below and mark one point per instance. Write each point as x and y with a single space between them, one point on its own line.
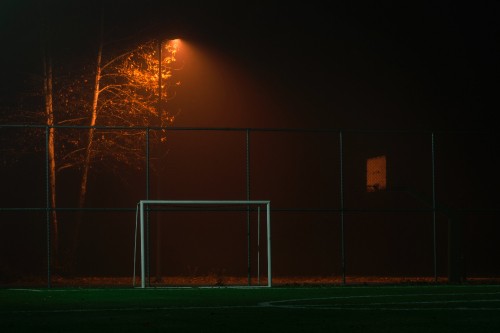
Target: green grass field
428 308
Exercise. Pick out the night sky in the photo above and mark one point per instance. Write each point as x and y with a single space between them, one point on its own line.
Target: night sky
419 65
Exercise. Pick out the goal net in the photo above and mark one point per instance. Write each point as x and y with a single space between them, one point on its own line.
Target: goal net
257 212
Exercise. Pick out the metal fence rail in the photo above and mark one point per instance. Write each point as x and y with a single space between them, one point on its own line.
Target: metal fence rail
440 192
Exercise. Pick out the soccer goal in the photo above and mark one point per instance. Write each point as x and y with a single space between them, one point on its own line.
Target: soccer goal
145 206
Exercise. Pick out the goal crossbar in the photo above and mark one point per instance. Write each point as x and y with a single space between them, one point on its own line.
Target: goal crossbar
143 203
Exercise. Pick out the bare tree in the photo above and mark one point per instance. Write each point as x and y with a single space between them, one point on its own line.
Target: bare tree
121 88
125 92
49 120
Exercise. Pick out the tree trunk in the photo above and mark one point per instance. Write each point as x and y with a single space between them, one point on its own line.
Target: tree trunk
89 146
90 139
49 114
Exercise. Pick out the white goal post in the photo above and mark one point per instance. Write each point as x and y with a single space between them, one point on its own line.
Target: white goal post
141 207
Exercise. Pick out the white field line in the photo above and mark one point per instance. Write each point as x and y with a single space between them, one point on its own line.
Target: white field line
138 309
366 307
398 306
382 306
378 306
273 303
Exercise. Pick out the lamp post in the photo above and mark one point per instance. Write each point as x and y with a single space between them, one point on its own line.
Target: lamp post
158 180
172 46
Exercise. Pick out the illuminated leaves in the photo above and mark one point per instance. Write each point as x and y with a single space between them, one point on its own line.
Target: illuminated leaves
129 96
131 86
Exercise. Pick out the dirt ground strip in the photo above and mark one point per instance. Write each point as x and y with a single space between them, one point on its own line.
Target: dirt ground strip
59 281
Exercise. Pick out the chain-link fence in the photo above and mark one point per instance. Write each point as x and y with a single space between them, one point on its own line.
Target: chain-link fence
347 206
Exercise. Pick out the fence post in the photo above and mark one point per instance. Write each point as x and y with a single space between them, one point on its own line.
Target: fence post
248 207
342 244
47 207
147 208
434 207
